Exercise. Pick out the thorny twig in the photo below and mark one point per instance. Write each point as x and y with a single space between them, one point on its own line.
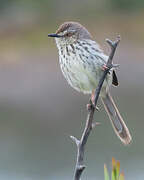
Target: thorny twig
79 167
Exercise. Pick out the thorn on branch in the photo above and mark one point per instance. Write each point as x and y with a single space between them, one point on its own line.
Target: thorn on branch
75 140
118 38
95 124
116 65
81 167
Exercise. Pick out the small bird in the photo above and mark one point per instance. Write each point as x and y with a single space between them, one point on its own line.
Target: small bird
82 62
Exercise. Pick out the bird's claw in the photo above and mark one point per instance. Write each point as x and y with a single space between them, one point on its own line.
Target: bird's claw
104 67
90 106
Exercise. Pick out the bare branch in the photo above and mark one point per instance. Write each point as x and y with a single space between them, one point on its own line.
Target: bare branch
109 65
79 167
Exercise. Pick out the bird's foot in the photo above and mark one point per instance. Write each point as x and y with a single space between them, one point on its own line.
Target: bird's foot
90 106
104 67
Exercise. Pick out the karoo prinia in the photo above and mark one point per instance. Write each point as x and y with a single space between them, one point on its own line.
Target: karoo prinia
82 62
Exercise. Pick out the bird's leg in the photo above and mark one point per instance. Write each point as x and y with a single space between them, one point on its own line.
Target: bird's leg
89 105
92 101
93 97
104 67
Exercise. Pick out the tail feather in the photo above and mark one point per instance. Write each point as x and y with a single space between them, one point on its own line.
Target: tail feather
118 124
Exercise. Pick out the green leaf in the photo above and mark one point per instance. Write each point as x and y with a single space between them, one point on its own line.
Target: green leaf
113 176
114 169
113 162
106 175
117 169
121 177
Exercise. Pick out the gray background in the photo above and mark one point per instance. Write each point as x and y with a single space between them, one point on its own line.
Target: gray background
39 110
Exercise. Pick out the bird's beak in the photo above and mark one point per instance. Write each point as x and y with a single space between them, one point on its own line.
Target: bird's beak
54 35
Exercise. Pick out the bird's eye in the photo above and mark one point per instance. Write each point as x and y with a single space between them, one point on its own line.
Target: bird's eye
68 34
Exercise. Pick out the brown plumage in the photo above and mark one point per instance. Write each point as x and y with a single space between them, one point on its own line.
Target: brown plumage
64 27
118 124
82 31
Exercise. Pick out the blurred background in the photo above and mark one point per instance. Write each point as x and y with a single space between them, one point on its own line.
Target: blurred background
39 110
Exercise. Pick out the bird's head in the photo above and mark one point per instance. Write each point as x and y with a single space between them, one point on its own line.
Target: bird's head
69 33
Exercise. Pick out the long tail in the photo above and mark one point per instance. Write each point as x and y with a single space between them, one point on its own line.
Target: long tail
118 124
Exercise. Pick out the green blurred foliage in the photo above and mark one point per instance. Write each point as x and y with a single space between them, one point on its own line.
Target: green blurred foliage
128 5
115 175
4 3
47 4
